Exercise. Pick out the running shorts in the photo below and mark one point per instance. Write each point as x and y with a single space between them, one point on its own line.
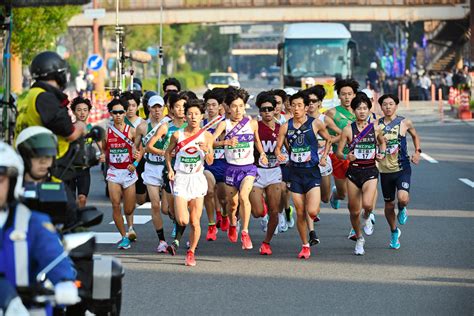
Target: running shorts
391 182
267 177
302 180
190 185
153 174
81 183
121 176
234 175
218 169
361 175
285 173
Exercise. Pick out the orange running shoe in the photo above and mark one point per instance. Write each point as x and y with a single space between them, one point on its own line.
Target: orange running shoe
225 223
265 249
232 234
246 241
190 260
211 232
305 253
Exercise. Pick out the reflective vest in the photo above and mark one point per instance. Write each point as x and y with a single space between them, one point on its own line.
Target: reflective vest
28 116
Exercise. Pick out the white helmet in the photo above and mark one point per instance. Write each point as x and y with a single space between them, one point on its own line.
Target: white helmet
373 65
11 165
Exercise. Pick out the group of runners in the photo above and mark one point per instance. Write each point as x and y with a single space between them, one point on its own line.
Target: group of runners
191 153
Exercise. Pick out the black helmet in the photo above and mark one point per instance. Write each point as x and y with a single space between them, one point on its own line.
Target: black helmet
50 66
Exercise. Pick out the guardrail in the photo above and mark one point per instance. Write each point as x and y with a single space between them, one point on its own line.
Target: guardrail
187 4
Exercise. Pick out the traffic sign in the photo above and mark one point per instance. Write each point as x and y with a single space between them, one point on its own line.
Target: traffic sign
94 13
95 62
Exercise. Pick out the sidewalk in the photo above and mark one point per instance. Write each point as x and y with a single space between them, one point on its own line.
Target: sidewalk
427 112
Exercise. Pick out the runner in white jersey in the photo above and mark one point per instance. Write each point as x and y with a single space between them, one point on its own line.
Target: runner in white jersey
152 175
192 146
241 133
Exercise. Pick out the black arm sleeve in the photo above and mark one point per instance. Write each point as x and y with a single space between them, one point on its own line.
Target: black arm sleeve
53 116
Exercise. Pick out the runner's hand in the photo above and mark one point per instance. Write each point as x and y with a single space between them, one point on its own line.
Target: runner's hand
131 168
171 175
102 158
415 158
203 146
323 161
136 154
232 142
281 157
351 156
263 160
379 156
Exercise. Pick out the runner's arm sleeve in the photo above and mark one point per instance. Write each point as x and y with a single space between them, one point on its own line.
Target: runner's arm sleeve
53 116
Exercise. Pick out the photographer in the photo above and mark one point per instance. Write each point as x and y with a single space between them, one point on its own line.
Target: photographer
29 241
46 105
38 147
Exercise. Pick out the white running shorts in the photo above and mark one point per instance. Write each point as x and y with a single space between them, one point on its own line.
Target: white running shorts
190 185
153 174
121 176
267 176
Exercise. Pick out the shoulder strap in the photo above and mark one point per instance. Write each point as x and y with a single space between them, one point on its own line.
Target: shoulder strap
300 130
19 238
209 124
360 136
344 112
151 133
121 135
237 128
392 124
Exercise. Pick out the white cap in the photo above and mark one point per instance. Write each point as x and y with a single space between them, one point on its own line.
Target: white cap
156 100
368 93
290 91
373 65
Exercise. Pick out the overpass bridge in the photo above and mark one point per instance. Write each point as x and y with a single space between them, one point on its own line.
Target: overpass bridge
140 12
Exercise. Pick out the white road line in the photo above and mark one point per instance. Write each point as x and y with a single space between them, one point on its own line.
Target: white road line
146 205
467 182
428 158
137 219
107 238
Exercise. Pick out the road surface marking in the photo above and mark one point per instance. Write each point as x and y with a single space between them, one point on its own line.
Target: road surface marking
428 158
137 219
146 205
467 182
107 238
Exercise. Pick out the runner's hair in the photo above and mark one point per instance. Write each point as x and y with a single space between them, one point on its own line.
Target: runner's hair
360 98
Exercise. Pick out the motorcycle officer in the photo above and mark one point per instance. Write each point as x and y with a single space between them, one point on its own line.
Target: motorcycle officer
28 239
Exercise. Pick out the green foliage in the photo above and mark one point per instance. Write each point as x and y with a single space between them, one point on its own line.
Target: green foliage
36 29
189 80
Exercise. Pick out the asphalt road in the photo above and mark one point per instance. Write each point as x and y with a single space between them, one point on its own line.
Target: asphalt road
432 272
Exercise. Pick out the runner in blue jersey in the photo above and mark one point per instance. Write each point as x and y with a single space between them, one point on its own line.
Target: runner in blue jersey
215 173
299 135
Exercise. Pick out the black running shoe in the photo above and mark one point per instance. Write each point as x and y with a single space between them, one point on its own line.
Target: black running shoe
173 247
313 238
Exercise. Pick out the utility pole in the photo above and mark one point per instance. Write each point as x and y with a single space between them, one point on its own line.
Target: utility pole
160 50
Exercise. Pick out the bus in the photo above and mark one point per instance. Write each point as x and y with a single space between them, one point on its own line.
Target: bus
316 53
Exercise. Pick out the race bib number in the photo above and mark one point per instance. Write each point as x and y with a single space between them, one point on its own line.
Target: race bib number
301 154
189 164
219 153
119 155
155 158
364 152
392 146
242 150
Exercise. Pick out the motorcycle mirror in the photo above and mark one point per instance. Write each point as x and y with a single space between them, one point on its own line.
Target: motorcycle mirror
90 216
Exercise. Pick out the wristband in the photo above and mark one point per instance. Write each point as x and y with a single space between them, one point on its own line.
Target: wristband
135 163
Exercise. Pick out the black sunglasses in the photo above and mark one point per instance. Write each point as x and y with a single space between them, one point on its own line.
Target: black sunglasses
267 109
117 112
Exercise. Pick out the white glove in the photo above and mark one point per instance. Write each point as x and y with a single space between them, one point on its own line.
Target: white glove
66 293
16 308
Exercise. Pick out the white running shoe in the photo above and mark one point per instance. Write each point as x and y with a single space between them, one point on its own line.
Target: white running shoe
162 247
132 235
368 226
264 223
282 224
359 248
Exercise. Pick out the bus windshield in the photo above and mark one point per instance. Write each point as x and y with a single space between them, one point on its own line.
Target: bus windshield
316 57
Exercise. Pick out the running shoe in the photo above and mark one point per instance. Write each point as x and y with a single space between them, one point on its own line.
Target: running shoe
173 247
313 238
190 260
265 249
225 223
124 243
368 226
372 217
282 225
188 245
359 247
402 216
211 232
316 219
173 232
132 235
232 234
290 217
395 239
218 219
305 253
246 241
264 223
352 235
333 201
162 247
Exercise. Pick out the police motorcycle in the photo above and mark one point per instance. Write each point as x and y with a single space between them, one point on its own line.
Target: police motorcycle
99 278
